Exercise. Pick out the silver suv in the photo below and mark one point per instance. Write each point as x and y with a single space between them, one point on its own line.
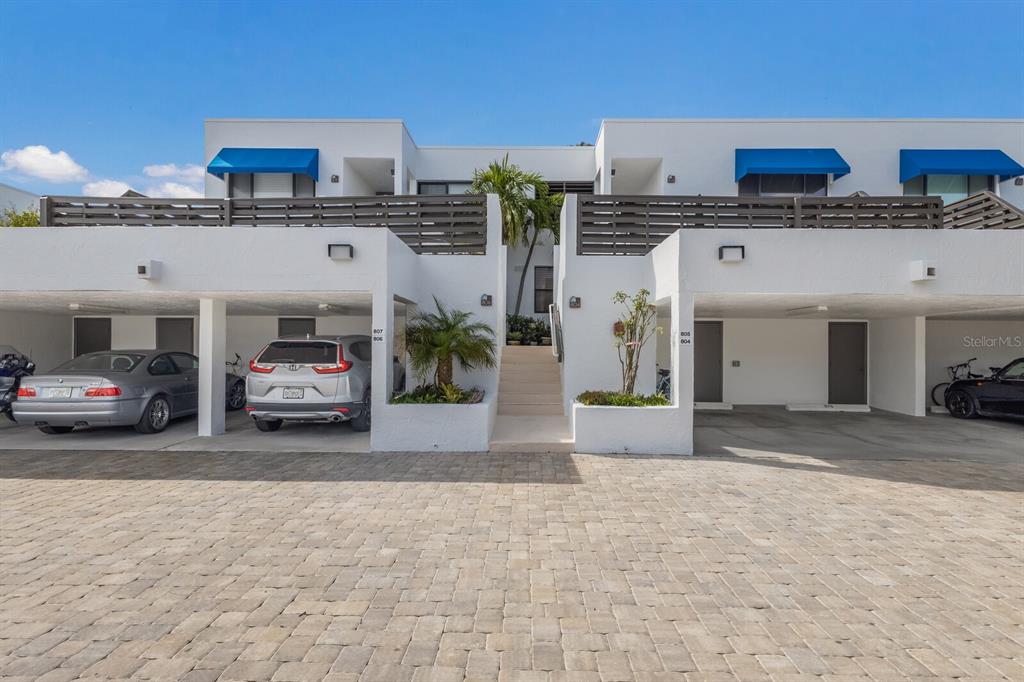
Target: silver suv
313 379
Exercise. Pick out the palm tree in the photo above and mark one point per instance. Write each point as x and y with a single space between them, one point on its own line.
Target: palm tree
527 209
514 187
435 340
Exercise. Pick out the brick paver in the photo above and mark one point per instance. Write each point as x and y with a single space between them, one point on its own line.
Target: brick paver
243 566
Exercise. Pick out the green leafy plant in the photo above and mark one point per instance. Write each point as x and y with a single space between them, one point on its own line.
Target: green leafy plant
617 399
12 218
634 328
447 394
436 340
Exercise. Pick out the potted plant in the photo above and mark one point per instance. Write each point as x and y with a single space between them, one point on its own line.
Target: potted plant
514 338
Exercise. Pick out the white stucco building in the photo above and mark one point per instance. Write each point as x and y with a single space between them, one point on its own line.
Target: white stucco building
796 263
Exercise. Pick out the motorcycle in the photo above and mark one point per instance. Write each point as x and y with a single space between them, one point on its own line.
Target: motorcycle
13 366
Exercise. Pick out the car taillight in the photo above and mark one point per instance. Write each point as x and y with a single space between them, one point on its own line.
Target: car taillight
257 367
342 366
26 392
102 392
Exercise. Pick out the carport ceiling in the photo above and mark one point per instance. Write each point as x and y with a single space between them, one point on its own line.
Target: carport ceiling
858 306
164 303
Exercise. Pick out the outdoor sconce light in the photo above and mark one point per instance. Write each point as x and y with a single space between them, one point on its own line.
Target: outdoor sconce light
340 251
671 179
732 254
1018 181
613 171
485 301
922 270
575 302
148 269
335 178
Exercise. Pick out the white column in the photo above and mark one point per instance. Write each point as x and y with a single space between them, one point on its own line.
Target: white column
682 364
212 335
896 365
382 370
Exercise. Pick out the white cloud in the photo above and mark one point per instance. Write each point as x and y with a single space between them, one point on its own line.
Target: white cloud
105 188
38 161
173 190
189 173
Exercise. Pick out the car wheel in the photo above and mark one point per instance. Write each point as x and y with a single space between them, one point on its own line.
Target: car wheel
53 430
362 422
268 425
961 405
236 396
155 417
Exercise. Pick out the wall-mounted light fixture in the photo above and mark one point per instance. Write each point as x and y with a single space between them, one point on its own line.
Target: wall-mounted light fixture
732 254
922 271
324 307
148 269
392 171
335 178
671 180
486 300
1018 181
613 171
575 302
340 251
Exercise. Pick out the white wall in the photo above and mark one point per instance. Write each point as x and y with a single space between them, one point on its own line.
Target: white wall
950 342
702 153
543 255
781 361
44 338
896 370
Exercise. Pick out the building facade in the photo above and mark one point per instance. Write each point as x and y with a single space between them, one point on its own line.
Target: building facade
806 264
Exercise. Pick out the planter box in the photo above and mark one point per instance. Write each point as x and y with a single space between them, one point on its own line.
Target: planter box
438 428
643 430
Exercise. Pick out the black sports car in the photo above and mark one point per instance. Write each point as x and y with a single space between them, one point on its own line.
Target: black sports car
1000 395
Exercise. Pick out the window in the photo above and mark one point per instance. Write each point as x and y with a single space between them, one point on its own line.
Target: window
949 187
296 326
185 361
107 361
459 187
570 186
240 185
360 350
270 185
162 366
783 185
300 353
543 287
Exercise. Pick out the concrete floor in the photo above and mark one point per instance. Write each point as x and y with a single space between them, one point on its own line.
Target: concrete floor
771 432
241 436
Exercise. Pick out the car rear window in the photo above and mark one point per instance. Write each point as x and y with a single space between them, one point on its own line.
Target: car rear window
300 353
103 361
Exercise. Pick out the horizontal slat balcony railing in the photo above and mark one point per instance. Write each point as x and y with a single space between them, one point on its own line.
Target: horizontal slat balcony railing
983 211
633 225
436 224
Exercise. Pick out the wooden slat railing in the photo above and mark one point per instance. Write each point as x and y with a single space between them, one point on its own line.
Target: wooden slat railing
442 224
983 211
633 225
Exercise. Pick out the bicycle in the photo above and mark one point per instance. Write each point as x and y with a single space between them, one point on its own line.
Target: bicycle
664 386
956 372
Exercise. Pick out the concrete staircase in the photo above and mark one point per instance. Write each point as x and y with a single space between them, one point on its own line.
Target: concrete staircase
530 415
530 382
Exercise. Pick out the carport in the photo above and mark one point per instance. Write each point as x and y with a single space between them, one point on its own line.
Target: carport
219 327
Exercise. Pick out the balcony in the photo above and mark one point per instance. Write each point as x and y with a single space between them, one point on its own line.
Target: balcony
450 224
633 225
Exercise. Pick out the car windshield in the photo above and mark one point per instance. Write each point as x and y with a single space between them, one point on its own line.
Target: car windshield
104 361
1014 371
300 353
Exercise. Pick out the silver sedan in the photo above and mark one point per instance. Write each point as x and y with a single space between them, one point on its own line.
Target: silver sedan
141 388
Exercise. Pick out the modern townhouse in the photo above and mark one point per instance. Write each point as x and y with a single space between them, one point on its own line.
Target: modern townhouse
806 264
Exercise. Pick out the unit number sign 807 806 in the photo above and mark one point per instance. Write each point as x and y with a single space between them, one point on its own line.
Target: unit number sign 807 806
378 334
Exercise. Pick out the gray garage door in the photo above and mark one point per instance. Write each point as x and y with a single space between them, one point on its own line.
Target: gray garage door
848 363
707 362
175 333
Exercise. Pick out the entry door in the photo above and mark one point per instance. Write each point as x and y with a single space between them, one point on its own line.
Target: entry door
91 334
175 333
707 362
848 363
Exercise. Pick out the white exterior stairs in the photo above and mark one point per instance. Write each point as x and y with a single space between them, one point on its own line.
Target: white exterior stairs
530 414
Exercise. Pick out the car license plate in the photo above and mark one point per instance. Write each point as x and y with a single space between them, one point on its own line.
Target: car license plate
292 392
60 393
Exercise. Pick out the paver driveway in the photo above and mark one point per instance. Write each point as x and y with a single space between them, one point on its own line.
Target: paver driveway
289 566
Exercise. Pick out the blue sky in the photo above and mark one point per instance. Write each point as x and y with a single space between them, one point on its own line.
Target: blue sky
119 87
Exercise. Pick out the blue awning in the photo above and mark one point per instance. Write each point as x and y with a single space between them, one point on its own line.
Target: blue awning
789 162
915 162
266 160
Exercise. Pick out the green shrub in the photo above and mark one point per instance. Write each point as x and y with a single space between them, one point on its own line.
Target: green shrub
12 218
528 329
445 394
618 399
